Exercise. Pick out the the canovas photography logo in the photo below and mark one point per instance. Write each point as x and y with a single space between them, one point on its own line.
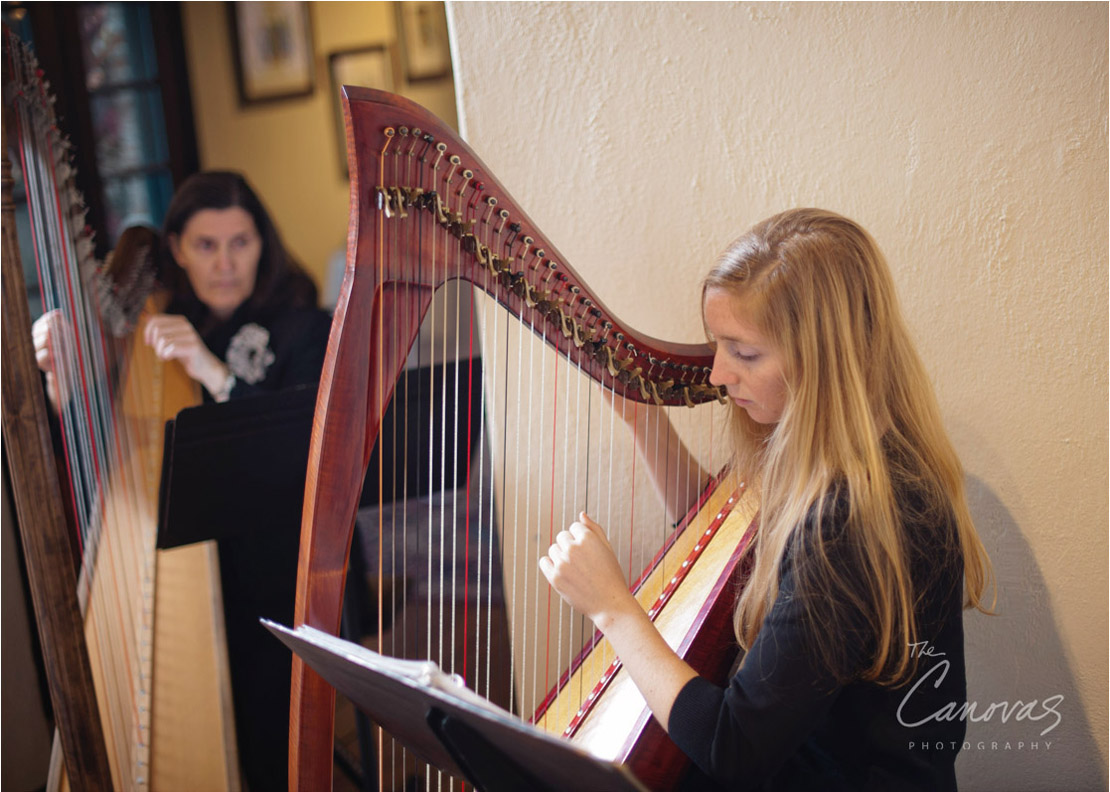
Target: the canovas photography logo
934 669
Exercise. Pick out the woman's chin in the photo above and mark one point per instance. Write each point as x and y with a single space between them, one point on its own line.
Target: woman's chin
223 308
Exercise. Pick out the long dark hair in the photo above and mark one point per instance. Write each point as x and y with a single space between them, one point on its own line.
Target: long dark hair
281 282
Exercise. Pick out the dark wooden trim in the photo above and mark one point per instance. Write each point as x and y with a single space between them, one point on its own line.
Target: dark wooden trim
177 98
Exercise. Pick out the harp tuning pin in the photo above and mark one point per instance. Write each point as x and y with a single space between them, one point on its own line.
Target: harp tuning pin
417 132
515 227
575 290
389 132
540 254
619 336
469 174
552 265
440 147
528 240
503 214
630 347
404 131
429 139
607 325
595 313
454 158
492 201
587 302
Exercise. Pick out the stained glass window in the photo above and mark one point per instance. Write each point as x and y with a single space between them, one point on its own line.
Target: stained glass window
125 100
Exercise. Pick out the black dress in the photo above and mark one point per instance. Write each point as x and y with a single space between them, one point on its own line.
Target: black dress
783 722
258 567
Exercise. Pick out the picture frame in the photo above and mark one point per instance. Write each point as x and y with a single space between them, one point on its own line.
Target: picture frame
273 51
423 40
367 67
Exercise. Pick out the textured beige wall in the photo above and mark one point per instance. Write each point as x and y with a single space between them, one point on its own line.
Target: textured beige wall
972 141
290 150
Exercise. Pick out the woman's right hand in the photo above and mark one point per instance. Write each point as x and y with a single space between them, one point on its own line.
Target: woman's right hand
48 334
582 567
173 337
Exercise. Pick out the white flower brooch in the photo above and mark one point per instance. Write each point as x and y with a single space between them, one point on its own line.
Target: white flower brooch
249 354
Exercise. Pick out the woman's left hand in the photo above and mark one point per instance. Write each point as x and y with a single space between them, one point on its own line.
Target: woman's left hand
582 567
174 338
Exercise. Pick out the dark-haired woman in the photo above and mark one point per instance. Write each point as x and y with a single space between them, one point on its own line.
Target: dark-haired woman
242 315
243 318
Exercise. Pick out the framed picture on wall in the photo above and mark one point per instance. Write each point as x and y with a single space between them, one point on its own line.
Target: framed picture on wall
272 44
366 67
422 33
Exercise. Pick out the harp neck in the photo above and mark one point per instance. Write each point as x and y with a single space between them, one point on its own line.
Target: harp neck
410 169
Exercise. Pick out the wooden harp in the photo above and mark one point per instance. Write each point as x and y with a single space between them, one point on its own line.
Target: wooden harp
131 637
426 213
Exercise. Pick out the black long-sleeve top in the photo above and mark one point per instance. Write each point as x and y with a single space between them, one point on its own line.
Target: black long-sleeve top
785 723
276 350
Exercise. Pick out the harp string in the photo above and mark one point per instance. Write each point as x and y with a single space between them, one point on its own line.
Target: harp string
456 251
568 650
551 522
531 625
492 505
381 456
612 532
431 446
416 239
382 590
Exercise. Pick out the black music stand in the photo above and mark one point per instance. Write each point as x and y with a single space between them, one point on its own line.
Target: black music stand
454 731
234 468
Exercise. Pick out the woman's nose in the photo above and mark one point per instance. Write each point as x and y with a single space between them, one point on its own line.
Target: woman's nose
224 259
720 374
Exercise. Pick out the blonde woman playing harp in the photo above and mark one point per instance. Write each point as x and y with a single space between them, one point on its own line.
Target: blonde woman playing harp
865 556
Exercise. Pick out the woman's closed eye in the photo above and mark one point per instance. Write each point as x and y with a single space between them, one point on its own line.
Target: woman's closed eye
748 356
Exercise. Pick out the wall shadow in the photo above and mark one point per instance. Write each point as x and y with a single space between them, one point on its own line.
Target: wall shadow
1017 654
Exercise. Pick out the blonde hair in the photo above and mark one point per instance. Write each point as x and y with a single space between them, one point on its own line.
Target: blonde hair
860 418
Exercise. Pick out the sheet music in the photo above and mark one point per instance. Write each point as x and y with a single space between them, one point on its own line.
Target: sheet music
421 672
405 696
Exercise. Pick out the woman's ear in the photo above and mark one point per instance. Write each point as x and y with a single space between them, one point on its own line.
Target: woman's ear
175 248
